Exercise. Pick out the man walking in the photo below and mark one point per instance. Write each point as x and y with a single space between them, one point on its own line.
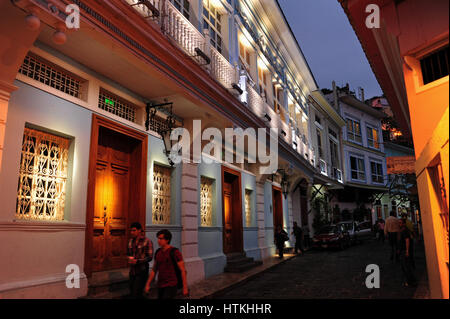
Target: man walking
298 233
280 237
169 266
405 250
140 253
391 229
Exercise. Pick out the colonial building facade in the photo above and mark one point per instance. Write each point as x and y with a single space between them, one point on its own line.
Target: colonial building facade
83 116
363 153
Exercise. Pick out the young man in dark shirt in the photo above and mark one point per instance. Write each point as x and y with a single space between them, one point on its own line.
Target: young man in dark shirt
298 233
165 267
140 253
404 252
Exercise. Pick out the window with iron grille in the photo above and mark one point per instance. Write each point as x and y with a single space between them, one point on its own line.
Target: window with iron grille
41 70
435 65
206 201
161 195
117 106
42 176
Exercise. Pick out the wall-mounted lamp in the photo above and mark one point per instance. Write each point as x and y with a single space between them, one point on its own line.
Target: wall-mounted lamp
163 132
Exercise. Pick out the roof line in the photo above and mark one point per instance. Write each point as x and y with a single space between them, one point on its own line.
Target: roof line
296 42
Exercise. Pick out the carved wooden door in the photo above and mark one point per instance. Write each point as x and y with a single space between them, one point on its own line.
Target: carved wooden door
228 218
111 202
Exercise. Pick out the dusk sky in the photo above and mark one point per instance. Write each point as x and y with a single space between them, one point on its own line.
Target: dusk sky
330 45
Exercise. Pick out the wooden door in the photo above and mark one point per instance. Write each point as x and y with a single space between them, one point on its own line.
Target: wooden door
111 203
228 218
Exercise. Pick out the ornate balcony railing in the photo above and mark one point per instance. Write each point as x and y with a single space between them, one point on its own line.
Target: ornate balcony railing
222 70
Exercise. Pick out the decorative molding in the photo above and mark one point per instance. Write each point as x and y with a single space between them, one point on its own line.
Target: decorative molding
41 226
57 278
210 229
158 227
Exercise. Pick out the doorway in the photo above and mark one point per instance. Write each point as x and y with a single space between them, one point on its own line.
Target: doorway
277 204
232 211
116 193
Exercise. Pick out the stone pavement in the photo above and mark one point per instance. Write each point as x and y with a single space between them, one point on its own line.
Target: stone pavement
331 274
220 283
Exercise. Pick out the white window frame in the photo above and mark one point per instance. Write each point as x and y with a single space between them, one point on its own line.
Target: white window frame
353 134
358 171
213 26
372 140
372 173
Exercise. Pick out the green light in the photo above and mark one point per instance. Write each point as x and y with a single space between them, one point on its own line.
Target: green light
108 101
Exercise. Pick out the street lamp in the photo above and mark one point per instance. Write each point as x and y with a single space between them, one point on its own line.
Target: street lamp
284 182
163 131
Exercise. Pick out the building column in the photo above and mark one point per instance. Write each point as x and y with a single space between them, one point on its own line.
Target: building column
5 92
189 221
260 217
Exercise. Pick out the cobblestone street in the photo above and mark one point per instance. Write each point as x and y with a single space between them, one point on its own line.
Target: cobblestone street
335 274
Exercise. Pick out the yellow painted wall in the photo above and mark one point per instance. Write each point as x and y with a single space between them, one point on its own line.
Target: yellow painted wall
435 237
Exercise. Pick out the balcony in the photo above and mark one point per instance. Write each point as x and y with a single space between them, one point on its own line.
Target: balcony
197 45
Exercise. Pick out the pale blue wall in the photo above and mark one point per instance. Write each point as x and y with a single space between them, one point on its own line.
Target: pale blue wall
50 113
156 155
210 243
250 234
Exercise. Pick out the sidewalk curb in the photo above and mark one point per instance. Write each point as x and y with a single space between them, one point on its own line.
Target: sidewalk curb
244 280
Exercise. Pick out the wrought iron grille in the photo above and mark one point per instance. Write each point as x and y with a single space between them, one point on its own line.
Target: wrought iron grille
161 195
117 106
45 72
206 201
42 176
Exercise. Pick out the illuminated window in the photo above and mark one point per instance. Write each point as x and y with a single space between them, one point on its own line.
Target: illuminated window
116 105
161 195
354 131
372 137
42 176
212 20
357 168
278 100
245 56
51 75
262 83
206 189
248 208
182 6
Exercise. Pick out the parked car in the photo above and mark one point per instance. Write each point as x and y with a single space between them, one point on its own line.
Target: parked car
364 231
357 231
332 236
